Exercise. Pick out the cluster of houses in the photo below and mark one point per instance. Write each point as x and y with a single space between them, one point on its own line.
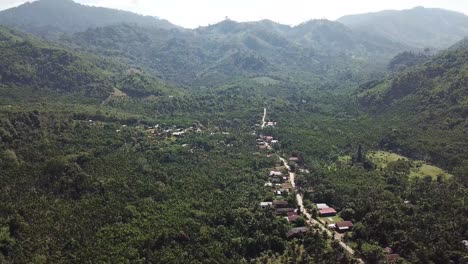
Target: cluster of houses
291 214
326 211
279 182
172 131
266 142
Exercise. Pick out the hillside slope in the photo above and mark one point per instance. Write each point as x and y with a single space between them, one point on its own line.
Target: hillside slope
28 62
430 102
229 50
418 27
31 63
49 17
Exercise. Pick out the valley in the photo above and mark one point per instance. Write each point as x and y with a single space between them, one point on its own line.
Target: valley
128 139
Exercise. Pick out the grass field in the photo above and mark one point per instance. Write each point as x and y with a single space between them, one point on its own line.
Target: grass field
331 219
382 158
419 169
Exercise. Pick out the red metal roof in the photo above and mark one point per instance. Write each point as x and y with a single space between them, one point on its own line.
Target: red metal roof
327 211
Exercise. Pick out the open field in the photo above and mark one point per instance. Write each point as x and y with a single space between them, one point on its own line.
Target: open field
420 169
331 219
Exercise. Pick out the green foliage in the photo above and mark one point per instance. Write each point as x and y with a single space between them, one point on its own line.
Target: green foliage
418 27
372 253
29 62
52 18
92 180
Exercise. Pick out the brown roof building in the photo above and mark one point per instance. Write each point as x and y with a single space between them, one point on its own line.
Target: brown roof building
344 226
292 218
280 204
327 212
297 232
284 211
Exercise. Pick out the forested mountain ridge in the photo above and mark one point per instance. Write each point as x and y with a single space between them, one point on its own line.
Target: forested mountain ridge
102 161
430 98
418 27
51 17
316 50
44 66
229 50
29 62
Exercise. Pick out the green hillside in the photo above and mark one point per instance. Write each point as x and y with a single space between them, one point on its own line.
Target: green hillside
124 139
54 17
430 103
32 63
418 27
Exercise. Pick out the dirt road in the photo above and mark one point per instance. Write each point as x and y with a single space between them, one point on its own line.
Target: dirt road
264 117
310 220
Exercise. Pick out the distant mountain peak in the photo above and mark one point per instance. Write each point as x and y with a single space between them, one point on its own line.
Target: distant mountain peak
49 17
418 27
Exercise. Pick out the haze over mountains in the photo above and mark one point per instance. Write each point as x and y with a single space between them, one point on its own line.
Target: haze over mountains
223 52
126 139
47 17
418 27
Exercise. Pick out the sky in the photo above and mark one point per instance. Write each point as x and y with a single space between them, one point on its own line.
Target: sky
194 13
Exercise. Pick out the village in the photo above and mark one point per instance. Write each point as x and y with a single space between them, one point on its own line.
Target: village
288 199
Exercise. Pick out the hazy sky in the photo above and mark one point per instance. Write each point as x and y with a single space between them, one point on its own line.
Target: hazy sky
193 13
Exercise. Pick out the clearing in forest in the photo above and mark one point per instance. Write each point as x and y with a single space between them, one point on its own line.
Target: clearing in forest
381 159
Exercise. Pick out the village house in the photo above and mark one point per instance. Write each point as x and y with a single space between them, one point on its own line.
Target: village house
292 217
322 206
284 211
271 124
344 226
293 159
280 204
178 134
327 212
266 204
276 174
276 180
297 232
268 139
286 187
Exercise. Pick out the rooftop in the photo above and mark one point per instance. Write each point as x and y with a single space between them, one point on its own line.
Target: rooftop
296 231
344 225
327 211
322 206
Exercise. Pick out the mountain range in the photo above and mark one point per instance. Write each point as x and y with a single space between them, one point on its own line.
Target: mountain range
127 139
51 17
317 50
418 27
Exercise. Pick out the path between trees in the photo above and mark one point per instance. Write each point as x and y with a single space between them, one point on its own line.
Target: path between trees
264 117
300 202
